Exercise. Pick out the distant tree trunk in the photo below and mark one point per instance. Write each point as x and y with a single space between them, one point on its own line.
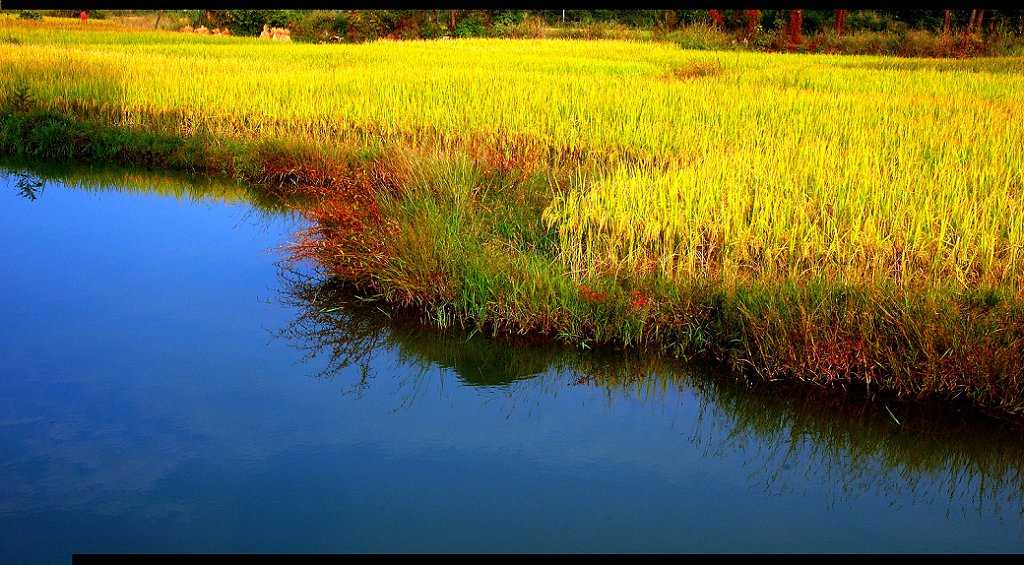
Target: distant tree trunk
945 23
796 24
719 20
752 18
158 14
970 22
840 26
977 25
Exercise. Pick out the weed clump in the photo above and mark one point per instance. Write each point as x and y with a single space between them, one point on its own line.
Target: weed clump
697 69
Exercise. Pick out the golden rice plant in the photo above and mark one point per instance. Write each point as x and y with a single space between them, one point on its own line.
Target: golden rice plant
779 166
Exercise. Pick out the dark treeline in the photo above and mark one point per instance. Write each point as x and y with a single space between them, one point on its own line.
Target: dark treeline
913 33
359 25
813 21
369 24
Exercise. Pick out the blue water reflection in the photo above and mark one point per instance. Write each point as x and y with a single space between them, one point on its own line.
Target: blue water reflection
164 387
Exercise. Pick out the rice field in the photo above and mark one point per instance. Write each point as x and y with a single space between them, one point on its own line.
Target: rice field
676 179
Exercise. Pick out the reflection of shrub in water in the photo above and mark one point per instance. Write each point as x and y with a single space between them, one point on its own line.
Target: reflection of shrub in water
786 434
966 461
28 185
336 325
31 176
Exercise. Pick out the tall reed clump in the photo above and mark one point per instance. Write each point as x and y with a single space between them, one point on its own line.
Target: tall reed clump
854 221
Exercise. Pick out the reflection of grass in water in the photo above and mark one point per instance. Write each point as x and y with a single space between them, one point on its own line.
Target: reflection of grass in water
142 181
336 322
968 460
845 440
28 186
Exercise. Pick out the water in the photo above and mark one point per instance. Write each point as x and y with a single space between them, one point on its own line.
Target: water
166 387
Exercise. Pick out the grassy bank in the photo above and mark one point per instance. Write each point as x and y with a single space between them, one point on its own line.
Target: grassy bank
847 221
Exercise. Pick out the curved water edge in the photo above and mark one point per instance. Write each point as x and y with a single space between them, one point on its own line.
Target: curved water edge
412 246
627 428
336 324
916 450
30 178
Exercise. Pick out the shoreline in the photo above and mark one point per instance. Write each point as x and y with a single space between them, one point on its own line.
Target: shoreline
382 225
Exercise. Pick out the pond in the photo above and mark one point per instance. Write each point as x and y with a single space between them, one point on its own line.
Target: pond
169 385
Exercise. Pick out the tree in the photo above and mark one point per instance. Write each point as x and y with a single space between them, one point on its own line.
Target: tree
753 17
840 26
974 25
719 20
796 24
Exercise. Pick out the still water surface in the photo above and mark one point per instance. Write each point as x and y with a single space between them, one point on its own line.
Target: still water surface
166 387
